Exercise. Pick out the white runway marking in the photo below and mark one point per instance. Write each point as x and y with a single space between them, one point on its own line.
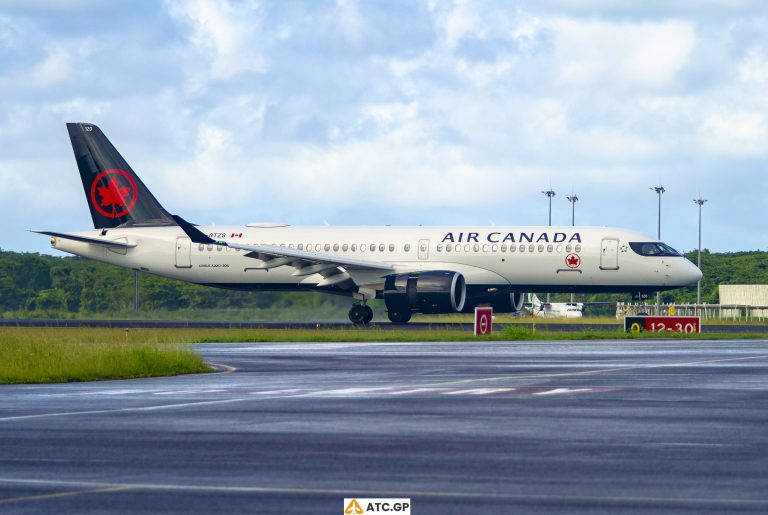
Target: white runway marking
597 371
124 410
479 391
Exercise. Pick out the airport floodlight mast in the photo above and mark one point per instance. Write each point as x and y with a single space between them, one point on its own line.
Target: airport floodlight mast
700 201
549 193
573 199
659 191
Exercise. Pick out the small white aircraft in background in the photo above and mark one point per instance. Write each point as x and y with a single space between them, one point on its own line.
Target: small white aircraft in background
413 269
555 309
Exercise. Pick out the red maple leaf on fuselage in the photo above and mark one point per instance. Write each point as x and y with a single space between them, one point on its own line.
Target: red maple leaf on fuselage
573 261
113 194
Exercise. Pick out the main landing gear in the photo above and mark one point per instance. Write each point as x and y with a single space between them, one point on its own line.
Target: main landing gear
399 317
360 314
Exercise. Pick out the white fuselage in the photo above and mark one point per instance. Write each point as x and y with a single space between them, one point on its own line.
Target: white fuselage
519 258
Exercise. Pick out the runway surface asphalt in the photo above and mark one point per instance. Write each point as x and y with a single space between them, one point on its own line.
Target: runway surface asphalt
506 427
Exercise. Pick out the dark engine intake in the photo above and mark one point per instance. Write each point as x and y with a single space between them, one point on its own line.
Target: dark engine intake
425 292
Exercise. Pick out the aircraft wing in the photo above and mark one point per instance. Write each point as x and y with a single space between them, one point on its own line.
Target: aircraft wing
334 269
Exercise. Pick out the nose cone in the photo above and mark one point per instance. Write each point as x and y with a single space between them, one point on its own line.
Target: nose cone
691 273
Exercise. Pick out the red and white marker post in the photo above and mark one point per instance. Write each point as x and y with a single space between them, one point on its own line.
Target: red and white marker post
483 321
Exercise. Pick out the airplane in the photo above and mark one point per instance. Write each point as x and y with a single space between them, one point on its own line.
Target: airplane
413 269
555 309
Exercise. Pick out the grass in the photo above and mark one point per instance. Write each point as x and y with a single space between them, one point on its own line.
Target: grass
56 356
46 355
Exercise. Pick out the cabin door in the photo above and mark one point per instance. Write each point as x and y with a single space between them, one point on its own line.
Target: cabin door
609 254
183 253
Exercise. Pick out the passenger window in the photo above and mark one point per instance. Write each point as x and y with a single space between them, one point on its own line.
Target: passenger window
541 247
439 247
210 248
550 248
559 248
407 247
568 248
485 248
373 247
354 247
495 248
345 247
466 247
391 247
531 247
362 247
381 247
522 248
327 247
318 247
300 246
448 247
201 247
512 248
218 248
335 247
504 247
577 248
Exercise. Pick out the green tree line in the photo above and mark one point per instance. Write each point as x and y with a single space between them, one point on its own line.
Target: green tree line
35 285
42 285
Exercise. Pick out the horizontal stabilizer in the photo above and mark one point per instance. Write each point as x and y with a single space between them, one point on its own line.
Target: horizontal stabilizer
85 239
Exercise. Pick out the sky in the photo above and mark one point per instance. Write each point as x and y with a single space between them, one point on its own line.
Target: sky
403 113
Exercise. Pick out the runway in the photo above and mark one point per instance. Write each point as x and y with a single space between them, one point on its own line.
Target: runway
505 427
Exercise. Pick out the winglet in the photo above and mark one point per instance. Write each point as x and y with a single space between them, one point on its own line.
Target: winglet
194 233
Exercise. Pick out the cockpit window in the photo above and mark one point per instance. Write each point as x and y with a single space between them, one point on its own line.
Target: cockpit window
653 248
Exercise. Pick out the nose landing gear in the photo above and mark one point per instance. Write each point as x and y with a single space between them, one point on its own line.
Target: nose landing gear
360 314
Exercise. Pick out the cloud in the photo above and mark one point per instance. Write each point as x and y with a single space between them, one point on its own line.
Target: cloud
226 33
359 112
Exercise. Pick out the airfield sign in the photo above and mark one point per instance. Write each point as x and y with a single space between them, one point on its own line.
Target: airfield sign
483 320
667 324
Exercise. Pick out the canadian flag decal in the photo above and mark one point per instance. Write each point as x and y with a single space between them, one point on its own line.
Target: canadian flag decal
236 235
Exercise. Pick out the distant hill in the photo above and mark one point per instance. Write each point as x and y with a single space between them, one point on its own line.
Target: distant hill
35 285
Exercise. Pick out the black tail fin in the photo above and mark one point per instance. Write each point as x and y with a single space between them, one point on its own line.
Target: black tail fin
115 194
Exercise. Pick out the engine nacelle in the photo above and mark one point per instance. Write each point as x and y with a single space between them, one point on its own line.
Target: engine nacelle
501 301
425 292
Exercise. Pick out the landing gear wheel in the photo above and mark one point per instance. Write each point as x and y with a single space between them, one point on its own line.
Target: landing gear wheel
358 313
398 317
368 314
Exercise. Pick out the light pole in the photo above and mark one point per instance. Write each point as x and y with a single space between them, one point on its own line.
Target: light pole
573 199
659 191
700 201
549 193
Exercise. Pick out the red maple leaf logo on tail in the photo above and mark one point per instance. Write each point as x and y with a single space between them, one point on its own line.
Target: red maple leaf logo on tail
113 194
117 192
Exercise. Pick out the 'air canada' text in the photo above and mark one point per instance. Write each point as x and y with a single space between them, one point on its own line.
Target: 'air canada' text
511 237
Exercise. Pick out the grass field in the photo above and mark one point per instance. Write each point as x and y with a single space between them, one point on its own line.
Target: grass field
55 356
43 355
